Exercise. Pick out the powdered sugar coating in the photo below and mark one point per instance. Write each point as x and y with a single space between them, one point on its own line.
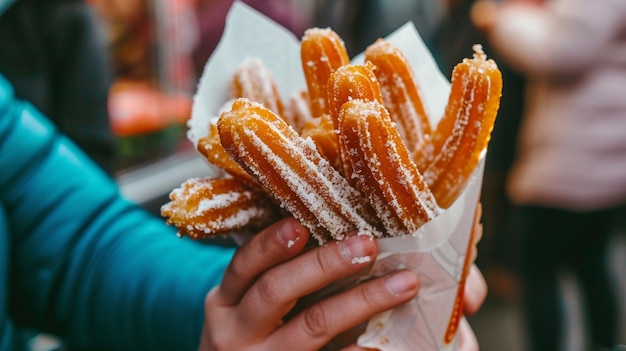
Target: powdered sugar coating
464 131
383 166
254 81
291 168
401 94
322 52
204 207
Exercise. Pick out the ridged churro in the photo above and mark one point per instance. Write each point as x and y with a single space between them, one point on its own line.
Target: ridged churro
401 93
206 207
210 146
291 169
384 168
253 80
350 82
465 129
322 51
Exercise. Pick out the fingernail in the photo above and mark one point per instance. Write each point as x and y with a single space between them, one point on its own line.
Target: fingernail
289 232
401 282
358 249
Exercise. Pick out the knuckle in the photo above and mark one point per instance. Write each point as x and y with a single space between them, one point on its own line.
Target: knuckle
324 262
217 344
238 269
368 297
245 263
266 244
315 323
210 298
268 288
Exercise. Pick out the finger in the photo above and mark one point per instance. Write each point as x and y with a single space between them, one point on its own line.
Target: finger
475 291
318 324
276 292
467 338
277 243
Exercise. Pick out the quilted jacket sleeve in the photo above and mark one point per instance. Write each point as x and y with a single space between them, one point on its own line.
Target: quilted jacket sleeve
85 263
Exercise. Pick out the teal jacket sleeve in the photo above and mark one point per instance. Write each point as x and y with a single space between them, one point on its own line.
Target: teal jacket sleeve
85 263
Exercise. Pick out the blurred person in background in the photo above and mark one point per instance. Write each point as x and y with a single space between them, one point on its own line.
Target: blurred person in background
55 55
568 179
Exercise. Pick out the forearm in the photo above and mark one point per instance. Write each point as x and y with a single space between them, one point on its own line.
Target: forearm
140 289
89 265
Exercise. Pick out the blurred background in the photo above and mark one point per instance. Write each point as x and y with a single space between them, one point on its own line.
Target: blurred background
155 53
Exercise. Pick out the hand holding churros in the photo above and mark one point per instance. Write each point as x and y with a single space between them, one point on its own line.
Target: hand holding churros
382 145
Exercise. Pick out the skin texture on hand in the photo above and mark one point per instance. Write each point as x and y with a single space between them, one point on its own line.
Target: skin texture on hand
271 271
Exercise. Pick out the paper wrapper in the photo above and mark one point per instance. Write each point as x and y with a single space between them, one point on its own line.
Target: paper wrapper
437 252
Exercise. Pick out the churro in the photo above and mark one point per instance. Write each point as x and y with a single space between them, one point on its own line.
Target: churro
465 129
206 207
210 146
291 169
253 80
322 51
347 83
401 94
384 168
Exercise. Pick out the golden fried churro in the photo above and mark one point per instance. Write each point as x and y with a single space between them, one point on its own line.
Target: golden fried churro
347 83
322 51
298 110
211 148
464 131
401 94
206 207
350 82
322 131
253 80
490 112
291 169
384 168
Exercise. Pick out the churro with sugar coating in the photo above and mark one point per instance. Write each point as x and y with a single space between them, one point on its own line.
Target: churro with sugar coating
384 168
291 169
253 80
207 207
401 94
322 51
465 129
